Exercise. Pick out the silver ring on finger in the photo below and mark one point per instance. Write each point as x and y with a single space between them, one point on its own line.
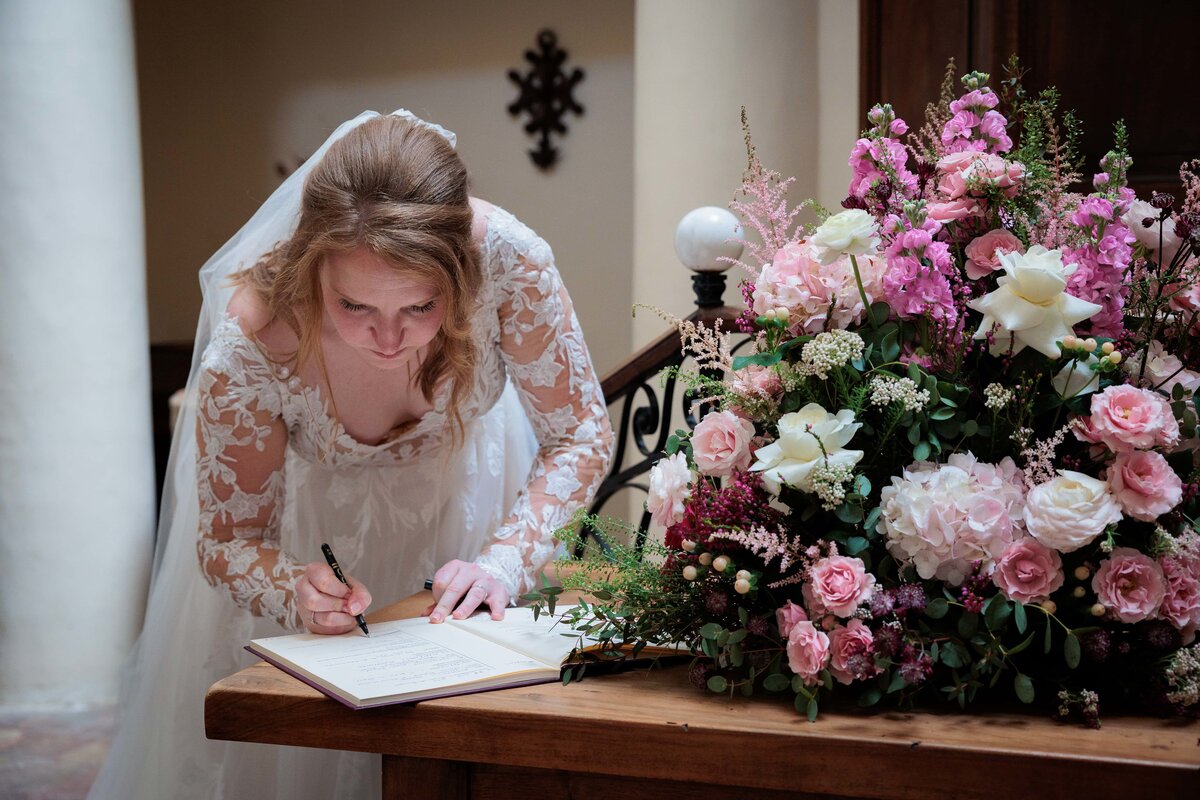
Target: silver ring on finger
479 586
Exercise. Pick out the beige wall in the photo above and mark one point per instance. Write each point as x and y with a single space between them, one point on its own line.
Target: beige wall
230 88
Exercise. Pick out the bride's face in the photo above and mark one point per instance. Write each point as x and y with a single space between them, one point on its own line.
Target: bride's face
384 315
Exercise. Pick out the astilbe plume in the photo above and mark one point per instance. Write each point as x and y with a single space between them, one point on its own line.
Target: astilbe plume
929 138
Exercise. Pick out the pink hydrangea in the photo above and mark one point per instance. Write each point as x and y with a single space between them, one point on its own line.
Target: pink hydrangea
787 615
1181 600
1130 585
1126 418
983 252
814 293
1028 572
721 444
942 518
1144 484
807 651
850 648
838 585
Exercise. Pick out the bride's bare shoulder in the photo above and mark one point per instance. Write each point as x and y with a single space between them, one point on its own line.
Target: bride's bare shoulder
481 209
258 322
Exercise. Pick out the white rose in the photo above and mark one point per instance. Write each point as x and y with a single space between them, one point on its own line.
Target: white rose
1077 378
1030 306
1070 511
851 232
807 438
1138 211
670 486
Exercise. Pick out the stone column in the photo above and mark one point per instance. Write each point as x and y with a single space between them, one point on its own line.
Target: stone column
76 463
792 63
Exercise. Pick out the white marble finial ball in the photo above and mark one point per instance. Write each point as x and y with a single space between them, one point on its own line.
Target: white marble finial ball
704 236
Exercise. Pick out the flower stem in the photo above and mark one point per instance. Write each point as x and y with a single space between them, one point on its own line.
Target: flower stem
863 292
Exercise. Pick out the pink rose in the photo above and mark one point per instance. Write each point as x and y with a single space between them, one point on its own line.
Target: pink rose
721 444
1181 602
807 651
1144 484
983 252
1127 418
1028 572
955 210
756 381
851 648
1130 585
787 616
838 585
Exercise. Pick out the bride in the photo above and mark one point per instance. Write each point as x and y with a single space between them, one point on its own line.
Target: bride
385 364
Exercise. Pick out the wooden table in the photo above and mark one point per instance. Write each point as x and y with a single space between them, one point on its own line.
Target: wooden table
648 734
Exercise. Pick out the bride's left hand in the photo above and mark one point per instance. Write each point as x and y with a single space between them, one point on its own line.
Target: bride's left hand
467 586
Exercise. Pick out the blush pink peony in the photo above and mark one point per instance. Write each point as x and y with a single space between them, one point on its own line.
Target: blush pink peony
787 616
807 651
838 585
670 487
721 444
1130 585
1144 484
1126 418
1181 600
850 649
983 252
1028 572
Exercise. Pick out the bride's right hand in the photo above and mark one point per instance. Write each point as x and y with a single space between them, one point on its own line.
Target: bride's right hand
326 604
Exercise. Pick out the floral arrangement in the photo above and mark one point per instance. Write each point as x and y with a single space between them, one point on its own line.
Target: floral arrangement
961 455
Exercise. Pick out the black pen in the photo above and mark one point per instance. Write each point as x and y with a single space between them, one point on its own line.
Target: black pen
337 571
428 584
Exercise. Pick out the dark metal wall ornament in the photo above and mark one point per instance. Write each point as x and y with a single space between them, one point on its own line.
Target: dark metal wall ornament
546 95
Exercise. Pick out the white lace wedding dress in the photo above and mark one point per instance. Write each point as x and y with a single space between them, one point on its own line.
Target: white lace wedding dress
536 446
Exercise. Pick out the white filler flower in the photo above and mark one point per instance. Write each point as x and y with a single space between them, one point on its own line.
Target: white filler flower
851 232
1030 307
807 438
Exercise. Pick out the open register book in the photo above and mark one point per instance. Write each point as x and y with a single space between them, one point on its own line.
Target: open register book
408 660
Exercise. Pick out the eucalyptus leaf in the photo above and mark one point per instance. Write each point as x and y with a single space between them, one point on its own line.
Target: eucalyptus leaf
1071 651
921 451
711 630
1019 617
998 613
897 683
970 428
1024 644
855 545
717 684
870 696
811 710
1023 687
936 608
776 683
737 636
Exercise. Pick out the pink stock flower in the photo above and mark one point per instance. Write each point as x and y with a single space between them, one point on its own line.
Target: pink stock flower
787 615
838 585
1181 601
983 252
1130 585
1144 484
807 651
1028 572
850 648
721 444
1126 418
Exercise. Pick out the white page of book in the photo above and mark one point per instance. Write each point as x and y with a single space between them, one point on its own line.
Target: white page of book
400 657
541 638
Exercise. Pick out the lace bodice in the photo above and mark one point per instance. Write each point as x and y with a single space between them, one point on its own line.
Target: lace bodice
265 437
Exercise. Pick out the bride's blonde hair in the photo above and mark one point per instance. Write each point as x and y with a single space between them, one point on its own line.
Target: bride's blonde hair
398 189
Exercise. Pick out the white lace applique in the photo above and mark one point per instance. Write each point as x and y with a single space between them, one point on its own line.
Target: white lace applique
542 346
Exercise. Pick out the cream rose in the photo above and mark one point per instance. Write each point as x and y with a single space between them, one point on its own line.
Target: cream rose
1030 307
807 437
851 232
1070 511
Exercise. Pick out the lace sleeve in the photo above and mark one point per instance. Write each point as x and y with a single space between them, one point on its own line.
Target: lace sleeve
544 351
240 470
